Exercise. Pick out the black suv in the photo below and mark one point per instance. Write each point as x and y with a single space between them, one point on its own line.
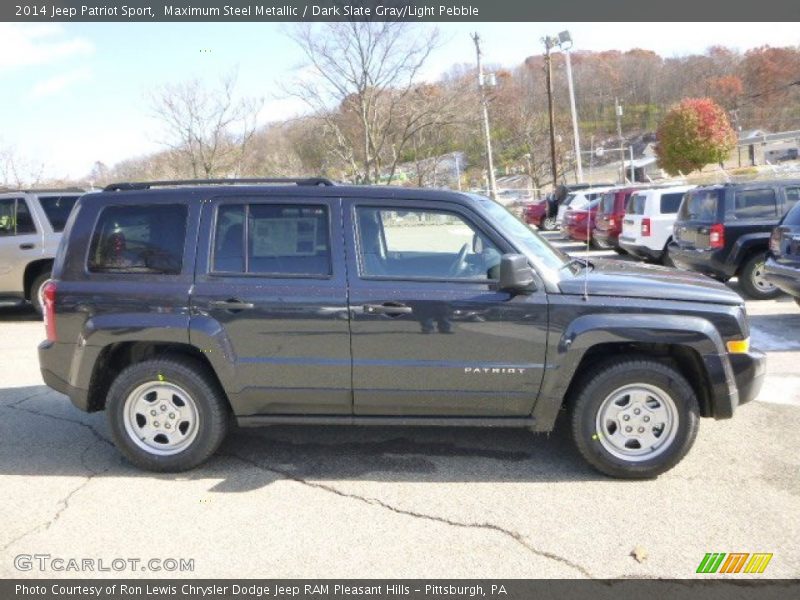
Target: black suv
783 261
723 231
180 308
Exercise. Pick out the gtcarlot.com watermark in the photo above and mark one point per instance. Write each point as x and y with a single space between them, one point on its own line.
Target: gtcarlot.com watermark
58 564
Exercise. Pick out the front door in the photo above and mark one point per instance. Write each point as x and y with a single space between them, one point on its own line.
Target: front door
20 244
266 279
429 334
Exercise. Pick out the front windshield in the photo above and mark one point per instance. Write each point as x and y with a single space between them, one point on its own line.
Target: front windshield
527 240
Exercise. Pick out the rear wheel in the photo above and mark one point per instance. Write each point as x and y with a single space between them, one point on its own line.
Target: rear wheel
634 419
752 281
549 223
167 414
36 292
665 258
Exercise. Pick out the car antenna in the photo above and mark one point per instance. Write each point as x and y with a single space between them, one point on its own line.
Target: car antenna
586 266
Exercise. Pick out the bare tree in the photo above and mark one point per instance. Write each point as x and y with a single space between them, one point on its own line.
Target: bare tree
210 128
18 171
358 81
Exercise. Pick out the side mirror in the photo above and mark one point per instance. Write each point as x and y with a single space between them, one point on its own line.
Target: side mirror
516 275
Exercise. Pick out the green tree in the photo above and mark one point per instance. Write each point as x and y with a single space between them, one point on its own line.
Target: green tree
693 134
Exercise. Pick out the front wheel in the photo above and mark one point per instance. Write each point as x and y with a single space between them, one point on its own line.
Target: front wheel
167 414
549 224
752 281
634 419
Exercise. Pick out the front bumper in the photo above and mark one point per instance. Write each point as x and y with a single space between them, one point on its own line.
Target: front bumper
749 370
707 262
785 277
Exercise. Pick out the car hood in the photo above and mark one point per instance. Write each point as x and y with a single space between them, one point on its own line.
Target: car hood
639 280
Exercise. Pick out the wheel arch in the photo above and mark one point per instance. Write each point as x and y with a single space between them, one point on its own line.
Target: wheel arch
32 271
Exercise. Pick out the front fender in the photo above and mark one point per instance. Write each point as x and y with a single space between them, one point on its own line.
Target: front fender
566 352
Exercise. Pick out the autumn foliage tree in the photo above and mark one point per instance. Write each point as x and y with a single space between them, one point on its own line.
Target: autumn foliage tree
693 134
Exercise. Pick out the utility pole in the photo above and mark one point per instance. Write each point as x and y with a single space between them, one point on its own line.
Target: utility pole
486 131
633 171
548 73
618 110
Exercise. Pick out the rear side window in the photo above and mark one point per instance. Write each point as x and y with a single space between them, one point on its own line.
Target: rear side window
700 205
57 209
670 203
635 204
607 203
792 196
15 218
755 204
272 239
139 239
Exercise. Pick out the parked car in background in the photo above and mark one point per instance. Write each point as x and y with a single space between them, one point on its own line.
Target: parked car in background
535 214
724 231
609 216
782 268
578 200
579 222
648 222
31 222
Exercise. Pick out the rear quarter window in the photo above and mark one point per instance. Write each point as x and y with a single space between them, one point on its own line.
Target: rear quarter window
139 239
670 203
792 196
57 209
755 204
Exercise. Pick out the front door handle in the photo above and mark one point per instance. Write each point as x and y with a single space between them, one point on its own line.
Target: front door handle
388 308
27 246
232 304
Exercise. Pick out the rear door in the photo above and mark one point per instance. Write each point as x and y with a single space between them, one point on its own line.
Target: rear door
20 243
430 334
271 285
755 210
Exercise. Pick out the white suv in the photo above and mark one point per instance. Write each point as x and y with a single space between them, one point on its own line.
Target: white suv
578 200
31 223
649 216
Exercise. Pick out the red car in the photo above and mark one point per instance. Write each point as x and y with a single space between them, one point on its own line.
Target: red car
535 213
578 223
608 220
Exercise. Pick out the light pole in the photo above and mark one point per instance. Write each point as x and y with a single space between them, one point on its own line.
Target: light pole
485 110
549 43
565 41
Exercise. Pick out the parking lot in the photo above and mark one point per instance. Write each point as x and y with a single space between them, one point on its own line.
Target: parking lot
399 502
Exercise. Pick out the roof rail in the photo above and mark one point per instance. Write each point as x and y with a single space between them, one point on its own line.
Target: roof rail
146 185
68 190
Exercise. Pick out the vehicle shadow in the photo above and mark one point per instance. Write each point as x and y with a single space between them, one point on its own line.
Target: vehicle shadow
23 312
52 438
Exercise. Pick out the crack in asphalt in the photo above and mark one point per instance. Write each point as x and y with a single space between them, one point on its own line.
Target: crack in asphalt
514 535
63 502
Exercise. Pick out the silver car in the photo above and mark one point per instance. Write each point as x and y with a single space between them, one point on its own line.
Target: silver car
31 222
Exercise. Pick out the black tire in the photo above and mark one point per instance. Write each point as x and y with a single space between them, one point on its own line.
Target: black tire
612 375
747 276
33 292
620 251
665 258
213 414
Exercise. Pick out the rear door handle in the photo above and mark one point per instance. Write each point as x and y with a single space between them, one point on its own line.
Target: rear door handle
27 246
387 308
232 304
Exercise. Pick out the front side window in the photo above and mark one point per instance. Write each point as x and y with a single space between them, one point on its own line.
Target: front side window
139 239
15 218
272 239
57 209
755 204
422 243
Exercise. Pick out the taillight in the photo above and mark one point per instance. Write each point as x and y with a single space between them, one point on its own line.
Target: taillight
775 241
611 222
645 227
716 236
49 305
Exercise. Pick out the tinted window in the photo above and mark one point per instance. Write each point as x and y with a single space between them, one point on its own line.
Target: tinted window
700 205
139 239
670 203
423 243
635 205
57 209
15 218
755 204
792 196
281 239
793 216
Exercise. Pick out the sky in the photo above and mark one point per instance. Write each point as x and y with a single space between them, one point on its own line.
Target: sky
77 93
